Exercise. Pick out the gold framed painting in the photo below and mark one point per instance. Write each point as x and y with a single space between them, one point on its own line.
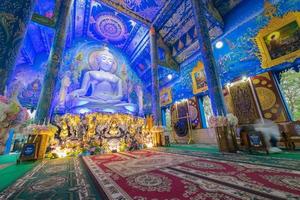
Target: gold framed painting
199 79
165 96
279 41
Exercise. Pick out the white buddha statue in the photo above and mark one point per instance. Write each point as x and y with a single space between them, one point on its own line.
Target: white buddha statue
106 95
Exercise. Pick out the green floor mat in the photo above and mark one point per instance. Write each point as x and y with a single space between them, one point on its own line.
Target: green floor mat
214 149
63 178
13 172
8 158
286 160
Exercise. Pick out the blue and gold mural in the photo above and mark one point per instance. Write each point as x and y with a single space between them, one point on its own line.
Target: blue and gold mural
147 9
95 23
239 55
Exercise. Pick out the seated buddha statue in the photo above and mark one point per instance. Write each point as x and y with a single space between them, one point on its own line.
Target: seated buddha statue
106 87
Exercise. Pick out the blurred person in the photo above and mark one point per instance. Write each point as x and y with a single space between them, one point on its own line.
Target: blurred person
271 133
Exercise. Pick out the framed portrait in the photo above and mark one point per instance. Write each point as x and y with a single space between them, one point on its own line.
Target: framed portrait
279 41
165 96
199 79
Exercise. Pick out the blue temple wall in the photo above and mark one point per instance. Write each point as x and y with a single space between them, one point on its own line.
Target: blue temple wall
29 75
29 80
238 56
31 64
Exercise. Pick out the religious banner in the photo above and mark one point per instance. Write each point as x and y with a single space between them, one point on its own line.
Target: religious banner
185 116
194 113
269 99
180 124
228 100
165 96
243 102
199 79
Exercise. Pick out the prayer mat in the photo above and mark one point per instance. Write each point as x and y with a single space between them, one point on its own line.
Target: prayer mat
240 158
62 178
191 178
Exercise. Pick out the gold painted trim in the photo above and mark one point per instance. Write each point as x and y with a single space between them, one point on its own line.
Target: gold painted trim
275 24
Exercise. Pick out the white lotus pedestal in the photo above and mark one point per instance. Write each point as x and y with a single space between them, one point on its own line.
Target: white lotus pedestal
226 137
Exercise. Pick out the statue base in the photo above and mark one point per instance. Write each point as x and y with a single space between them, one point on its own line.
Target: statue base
84 105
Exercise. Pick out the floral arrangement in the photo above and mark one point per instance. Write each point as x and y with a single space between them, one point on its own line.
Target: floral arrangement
221 121
232 120
12 113
218 121
35 129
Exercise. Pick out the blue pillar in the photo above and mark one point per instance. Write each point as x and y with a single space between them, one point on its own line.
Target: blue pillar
210 67
156 111
14 18
9 141
54 62
202 113
163 117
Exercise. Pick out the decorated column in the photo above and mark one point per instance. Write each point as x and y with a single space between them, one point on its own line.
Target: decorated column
54 62
14 18
156 111
210 67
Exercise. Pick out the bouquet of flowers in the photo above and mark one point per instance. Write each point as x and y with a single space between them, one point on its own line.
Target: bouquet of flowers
232 120
218 121
45 129
12 115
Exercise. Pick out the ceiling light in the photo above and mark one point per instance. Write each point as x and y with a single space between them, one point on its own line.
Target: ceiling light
170 76
219 44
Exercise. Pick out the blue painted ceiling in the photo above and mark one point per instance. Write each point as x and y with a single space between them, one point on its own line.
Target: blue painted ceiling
173 19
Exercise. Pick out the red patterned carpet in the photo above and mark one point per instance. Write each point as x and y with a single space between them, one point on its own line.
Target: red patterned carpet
146 175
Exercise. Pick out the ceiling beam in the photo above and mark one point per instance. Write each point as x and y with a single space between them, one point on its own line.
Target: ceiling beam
215 13
45 21
40 19
86 18
119 7
169 60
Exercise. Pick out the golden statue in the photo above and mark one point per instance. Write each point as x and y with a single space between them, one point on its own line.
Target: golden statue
64 129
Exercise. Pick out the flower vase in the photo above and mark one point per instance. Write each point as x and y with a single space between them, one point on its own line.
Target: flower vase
221 138
225 139
233 136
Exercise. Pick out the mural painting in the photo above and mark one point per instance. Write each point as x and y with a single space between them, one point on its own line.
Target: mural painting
199 79
165 96
284 40
279 41
29 89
